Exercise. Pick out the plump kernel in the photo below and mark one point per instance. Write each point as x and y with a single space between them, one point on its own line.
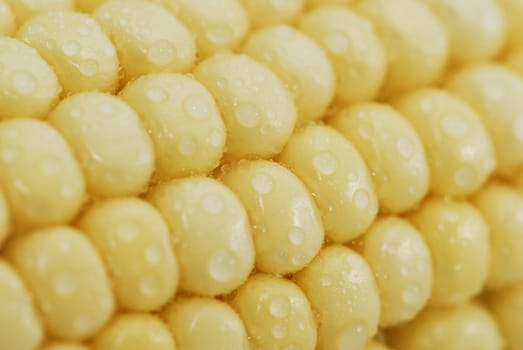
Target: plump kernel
325 161
215 254
286 224
356 53
76 47
300 63
267 13
68 279
7 19
134 242
65 346
5 219
26 9
29 85
135 331
512 13
392 151
42 181
147 37
375 345
458 239
320 3
196 323
460 154
506 305
99 127
276 314
183 121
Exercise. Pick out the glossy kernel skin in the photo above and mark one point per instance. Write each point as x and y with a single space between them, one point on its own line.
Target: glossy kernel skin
25 10
98 127
134 242
392 150
255 104
506 305
276 314
183 121
30 87
267 13
210 231
513 12
468 326
460 154
301 65
19 320
205 323
76 47
66 346
135 331
336 175
55 195
67 278
7 19
502 208
458 239
341 287
286 224
353 46
402 266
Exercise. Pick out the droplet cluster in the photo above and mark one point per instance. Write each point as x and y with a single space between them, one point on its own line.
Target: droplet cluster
261 174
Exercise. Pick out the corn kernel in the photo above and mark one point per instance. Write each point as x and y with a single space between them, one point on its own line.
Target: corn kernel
513 12
7 19
375 345
5 219
267 13
65 346
26 9
506 305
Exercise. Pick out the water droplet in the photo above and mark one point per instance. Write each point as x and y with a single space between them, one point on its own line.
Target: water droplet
83 30
325 163
336 42
219 34
297 236
421 265
88 67
187 145
518 128
353 336
411 295
197 107
161 52
107 108
9 155
221 83
365 131
454 126
127 231
23 82
149 286
465 176
247 114
156 94
279 331
404 270
361 198
216 138
71 48
299 259
67 191
153 254
426 105
494 92
64 284
326 281
353 177
50 166
83 323
262 183
144 157
405 147
280 307
223 265
213 204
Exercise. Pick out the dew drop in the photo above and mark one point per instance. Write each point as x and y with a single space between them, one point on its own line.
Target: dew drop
187 145
219 34
144 157
156 94
299 259
336 42
361 198
153 254
107 108
88 67
64 284
223 265
280 307
421 266
50 167
297 236
83 323
325 163
279 331
326 281
197 107
405 147
247 114
454 126
9 155
365 131
353 336
216 138
71 48
66 191
24 82
83 30
149 286
161 52
411 295
262 183
127 231
426 105
465 176
213 204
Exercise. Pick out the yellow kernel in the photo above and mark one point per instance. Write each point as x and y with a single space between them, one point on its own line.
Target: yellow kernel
317 3
402 266
458 239
29 86
460 154
147 37
258 111
215 24
415 42
210 231
327 162
99 128
340 286
76 47
135 331
25 9
7 19
515 61
502 208
494 92
464 24
65 346
375 345
266 13
134 241
5 219
513 12
465 326
276 313
300 63
392 151
286 224
205 323
42 180
356 53
506 305
19 322
183 121
68 280
89 5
